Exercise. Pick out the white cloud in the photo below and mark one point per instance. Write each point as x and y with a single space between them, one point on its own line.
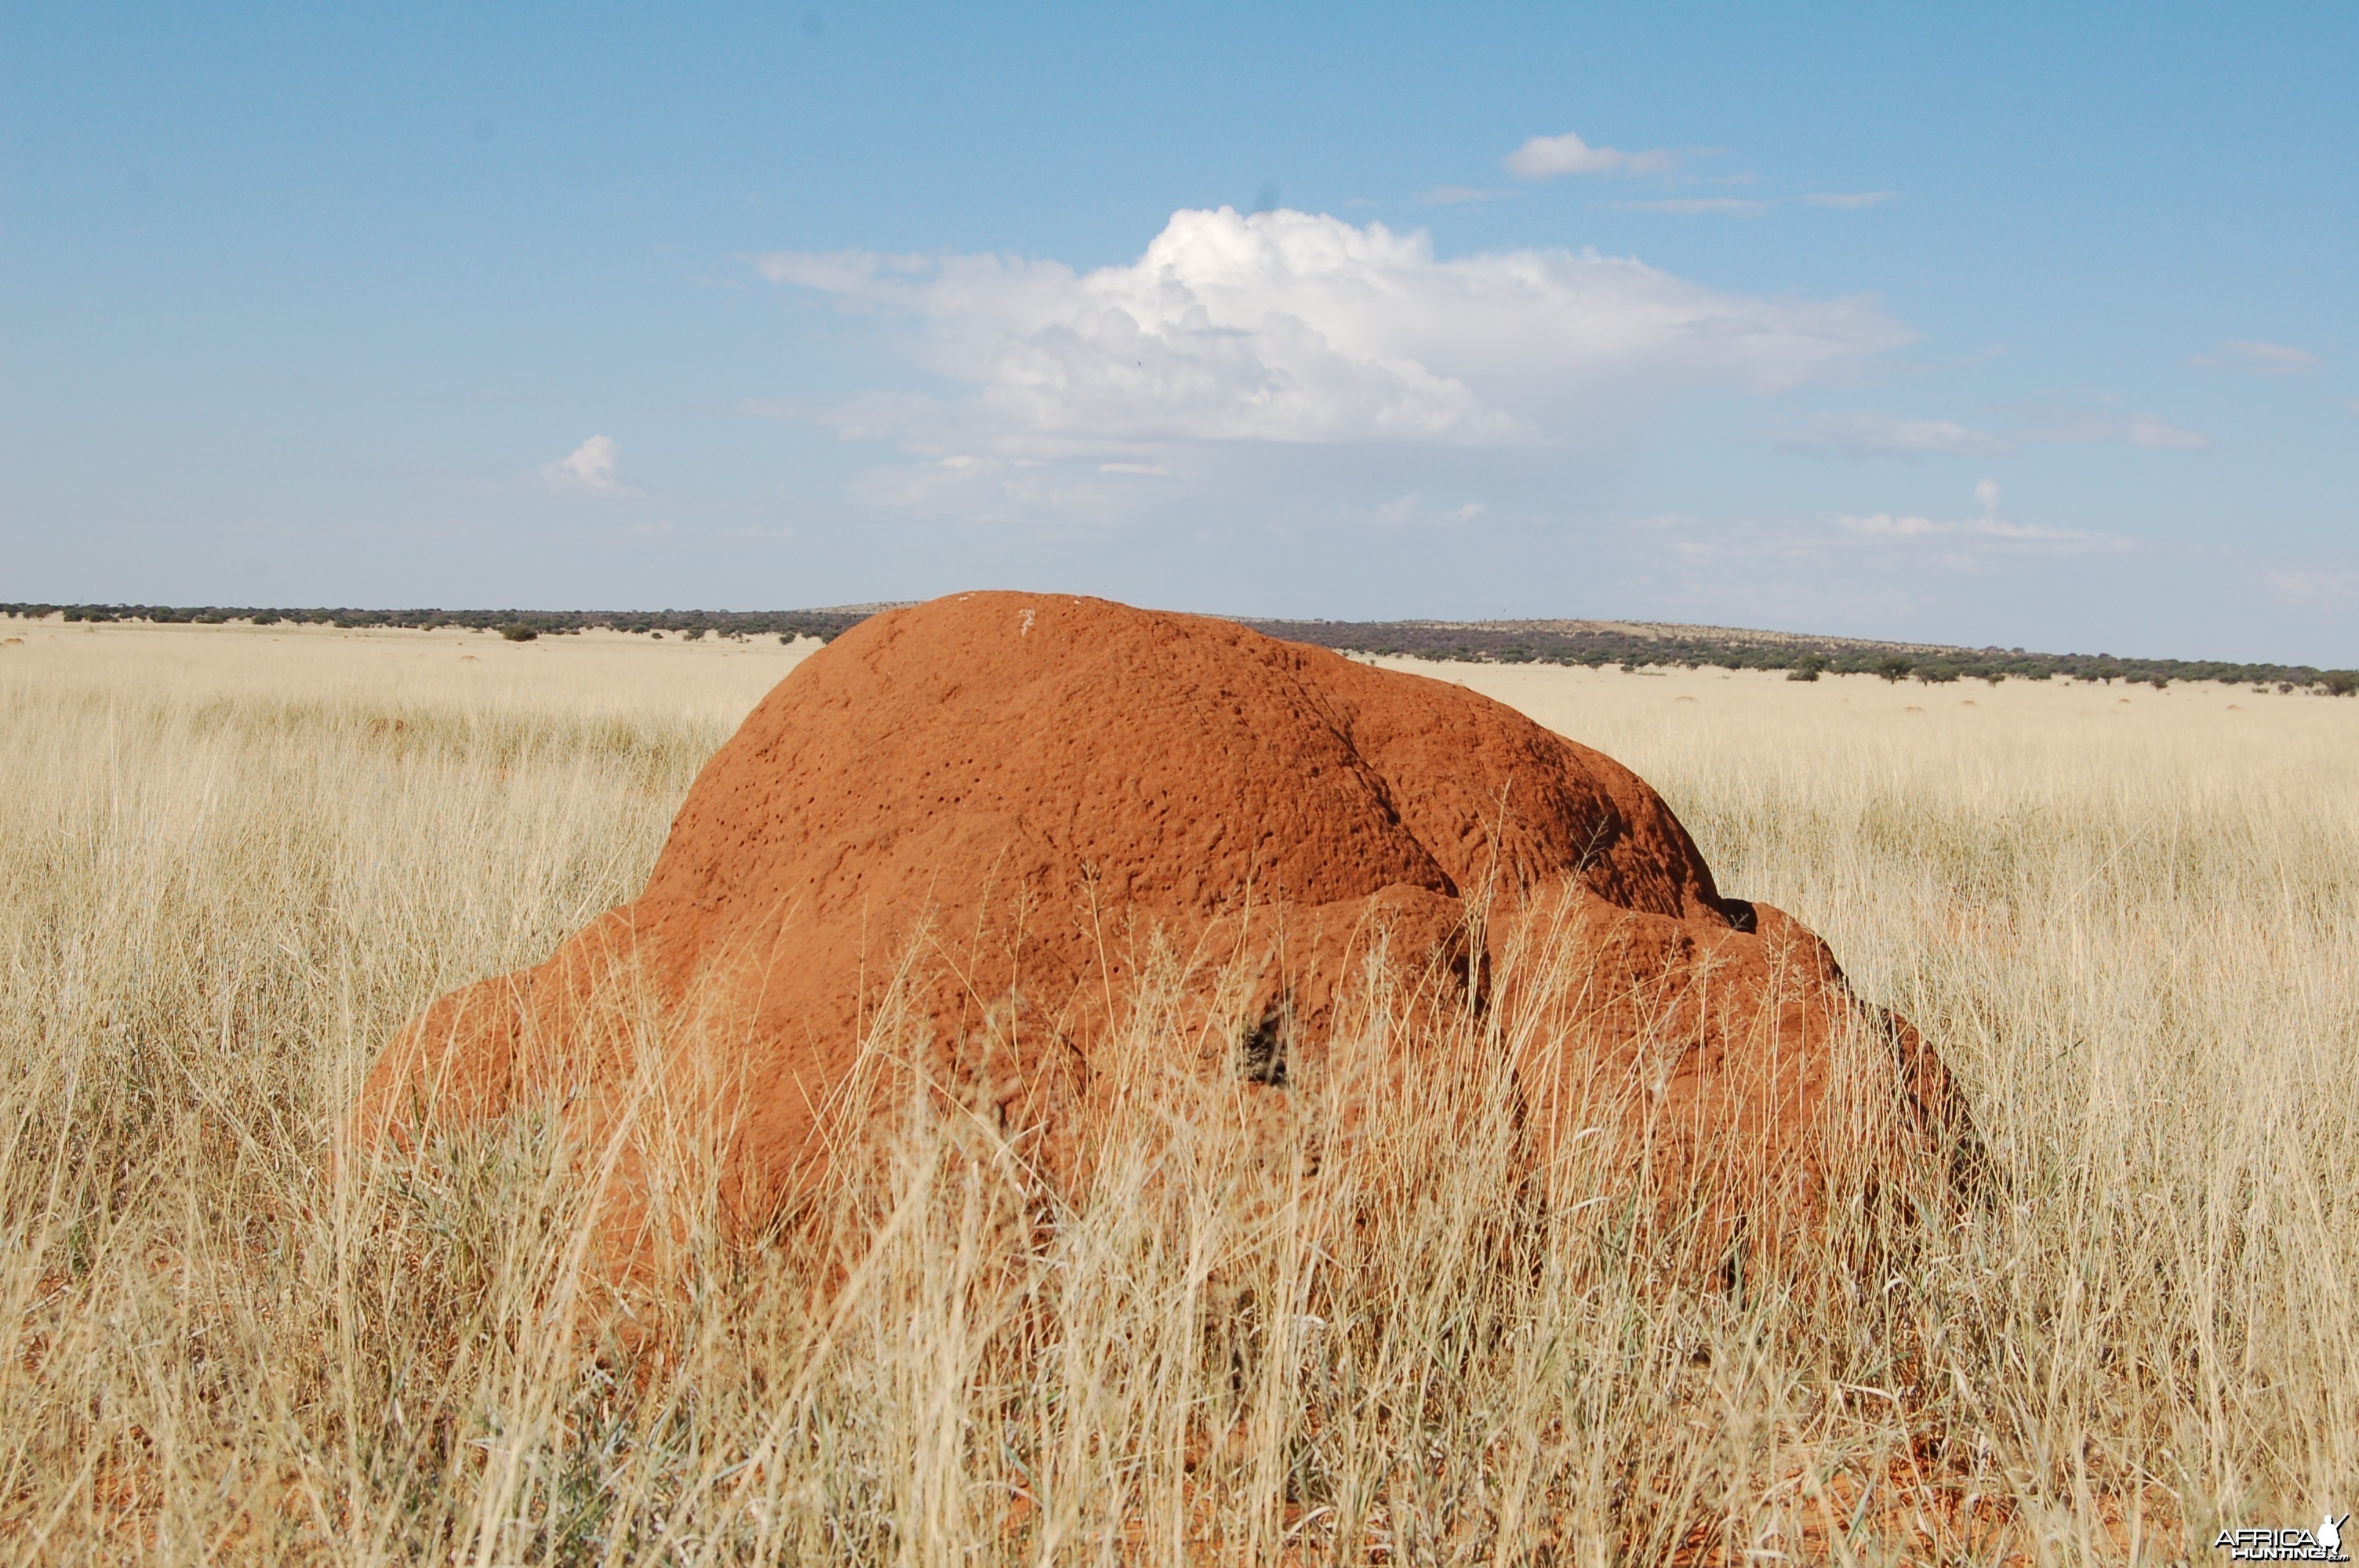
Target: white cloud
1849 200
2256 358
1283 326
1733 206
1544 158
589 470
1860 433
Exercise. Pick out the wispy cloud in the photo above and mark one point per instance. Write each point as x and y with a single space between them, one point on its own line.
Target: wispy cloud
1860 433
1993 527
1545 158
1752 207
1849 200
1288 328
1459 196
2149 432
2314 585
1410 512
983 488
1730 206
591 468
2256 358
2159 435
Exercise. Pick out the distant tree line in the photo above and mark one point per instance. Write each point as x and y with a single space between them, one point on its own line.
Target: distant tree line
1802 658
1586 643
520 625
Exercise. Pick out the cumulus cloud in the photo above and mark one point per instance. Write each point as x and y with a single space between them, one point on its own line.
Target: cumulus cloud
1289 328
1861 434
589 470
1545 158
2256 358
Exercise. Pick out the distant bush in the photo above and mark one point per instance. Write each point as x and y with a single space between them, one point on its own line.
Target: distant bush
2339 683
1807 667
517 632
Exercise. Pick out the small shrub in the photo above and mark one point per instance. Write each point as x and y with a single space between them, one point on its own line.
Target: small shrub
517 631
1807 667
2339 683
1894 667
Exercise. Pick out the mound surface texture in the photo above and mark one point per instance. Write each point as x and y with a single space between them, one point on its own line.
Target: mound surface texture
994 825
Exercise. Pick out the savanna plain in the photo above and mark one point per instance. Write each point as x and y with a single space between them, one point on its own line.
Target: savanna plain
234 860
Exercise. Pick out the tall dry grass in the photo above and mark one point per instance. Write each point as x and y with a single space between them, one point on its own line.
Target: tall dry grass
230 865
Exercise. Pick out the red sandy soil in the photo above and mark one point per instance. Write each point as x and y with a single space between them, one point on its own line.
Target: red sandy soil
972 831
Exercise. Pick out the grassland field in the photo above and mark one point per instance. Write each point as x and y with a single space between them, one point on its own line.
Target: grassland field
234 859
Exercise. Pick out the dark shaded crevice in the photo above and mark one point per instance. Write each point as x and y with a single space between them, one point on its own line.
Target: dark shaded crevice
1261 1053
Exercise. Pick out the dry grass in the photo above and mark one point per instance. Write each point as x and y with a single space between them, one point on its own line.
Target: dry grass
231 862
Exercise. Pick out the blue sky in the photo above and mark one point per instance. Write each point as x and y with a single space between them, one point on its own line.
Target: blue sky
2021 325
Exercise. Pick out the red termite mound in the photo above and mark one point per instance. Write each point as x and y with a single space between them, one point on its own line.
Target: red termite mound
1000 818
